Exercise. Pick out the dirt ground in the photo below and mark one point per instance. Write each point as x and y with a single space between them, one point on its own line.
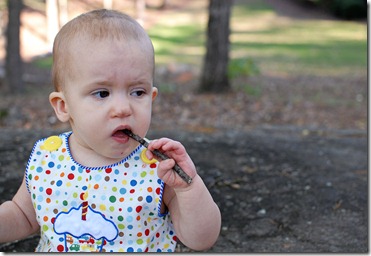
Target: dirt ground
288 176
279 189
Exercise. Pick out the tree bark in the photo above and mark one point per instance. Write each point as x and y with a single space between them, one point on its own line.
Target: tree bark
140 7
52 20
214 77
14 64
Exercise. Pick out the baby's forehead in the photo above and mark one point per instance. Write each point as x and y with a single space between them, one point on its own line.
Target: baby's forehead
85 51
90 38
88 45
102 29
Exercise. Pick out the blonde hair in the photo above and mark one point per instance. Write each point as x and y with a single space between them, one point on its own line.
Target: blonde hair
95 25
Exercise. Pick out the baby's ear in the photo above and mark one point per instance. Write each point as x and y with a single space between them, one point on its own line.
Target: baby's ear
58 102
154 93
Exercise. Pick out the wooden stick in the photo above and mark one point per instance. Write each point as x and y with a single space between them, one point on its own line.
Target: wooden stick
160 155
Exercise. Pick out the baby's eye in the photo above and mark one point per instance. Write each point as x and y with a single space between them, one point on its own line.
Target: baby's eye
137 93
101 94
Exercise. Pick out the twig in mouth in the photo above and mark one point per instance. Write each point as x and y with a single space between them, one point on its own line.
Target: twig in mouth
160 155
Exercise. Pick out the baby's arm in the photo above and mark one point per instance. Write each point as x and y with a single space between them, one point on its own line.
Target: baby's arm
17 217
195 215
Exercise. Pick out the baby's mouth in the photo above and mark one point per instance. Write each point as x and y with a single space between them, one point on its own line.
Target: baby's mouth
120 133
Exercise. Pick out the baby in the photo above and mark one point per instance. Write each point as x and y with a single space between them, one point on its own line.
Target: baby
95 188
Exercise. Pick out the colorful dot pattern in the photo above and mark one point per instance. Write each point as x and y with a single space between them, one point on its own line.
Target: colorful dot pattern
127 194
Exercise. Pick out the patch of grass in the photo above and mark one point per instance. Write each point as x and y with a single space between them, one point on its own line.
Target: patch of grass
275 43
3 113
289 45
253 8
184 43
252 90
166 88
239 70
44 62
242 67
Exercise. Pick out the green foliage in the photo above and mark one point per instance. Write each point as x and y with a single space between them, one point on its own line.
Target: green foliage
350 9
242 67
183 43
44 62
239 70
166 88
3 113
252 90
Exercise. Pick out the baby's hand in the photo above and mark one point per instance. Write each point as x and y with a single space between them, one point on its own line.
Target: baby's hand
176 151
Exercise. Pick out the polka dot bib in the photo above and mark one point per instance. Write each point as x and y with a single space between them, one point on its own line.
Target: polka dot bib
109 209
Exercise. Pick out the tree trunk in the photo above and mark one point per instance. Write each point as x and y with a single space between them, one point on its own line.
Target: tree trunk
52 20
140 7
108 4
214 77
157 4
14 64
63 13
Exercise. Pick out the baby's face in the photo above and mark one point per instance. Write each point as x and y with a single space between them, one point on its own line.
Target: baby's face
110 90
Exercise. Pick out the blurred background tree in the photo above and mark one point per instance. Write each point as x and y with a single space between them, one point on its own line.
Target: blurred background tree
14 64
214 77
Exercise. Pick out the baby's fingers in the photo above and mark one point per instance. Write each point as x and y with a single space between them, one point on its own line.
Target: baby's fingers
173 149
166 173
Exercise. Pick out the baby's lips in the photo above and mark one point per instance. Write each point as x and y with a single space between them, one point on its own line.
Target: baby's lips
120 131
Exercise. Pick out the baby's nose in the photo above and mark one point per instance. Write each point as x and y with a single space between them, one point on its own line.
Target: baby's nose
121 108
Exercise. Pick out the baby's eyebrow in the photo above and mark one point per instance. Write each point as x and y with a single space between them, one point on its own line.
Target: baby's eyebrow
141 82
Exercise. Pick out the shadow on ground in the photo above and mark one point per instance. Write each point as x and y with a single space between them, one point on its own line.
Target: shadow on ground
280 189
